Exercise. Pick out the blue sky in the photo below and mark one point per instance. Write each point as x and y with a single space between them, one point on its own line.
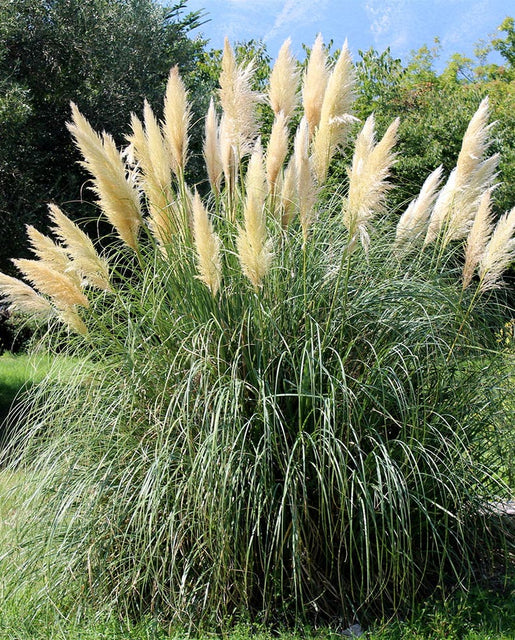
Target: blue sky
403 25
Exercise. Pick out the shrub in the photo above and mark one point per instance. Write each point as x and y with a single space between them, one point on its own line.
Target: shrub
284 406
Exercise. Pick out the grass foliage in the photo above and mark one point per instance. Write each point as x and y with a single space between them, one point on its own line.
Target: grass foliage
298 433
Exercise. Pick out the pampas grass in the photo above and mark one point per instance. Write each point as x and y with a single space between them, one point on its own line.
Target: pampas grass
23 298
284 83
474 173
62 288
85 261
118 197
212 150
176 121
207 244
413 222
266 421
498 253
314 84
335 114
368 179
254 250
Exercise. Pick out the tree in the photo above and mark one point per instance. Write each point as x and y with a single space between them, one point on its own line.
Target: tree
105 55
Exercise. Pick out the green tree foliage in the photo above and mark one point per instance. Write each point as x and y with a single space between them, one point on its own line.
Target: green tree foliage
105 55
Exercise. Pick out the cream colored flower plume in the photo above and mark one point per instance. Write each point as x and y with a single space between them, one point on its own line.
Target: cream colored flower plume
238 102
368 179
21 297
335 115
118 197
288 194
155 170
478 238
305 181
284 83
212 151
207 245
177 115
60 287
413 222
499 252
85 260
48 251
314 85
70 316
254 250
276 150
457 203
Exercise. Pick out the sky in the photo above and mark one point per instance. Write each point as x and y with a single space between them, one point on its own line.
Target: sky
402 25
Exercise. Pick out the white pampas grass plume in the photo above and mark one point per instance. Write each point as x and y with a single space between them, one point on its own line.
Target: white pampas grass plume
229 155
478 238
284 82
177 114
149 153
335 116
207 245
70 316
305 182
60 287
47 250
21 297
254 250
288 194
457 203
212 151
368 179
499 252
238 102
85 259
413 222
276 150
314 84
118 197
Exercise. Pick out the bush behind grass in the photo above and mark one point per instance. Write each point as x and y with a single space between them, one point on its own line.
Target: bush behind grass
301 439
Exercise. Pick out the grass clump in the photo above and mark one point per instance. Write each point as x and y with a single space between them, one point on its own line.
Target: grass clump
284 403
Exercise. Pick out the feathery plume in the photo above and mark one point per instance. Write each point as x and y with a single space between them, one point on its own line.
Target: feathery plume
238 102
314 84
457 202
478 238
288 193
118 197
85 260
23 298
276 150
228 153
148 149
368 176
60 287
207 244
499 252
212 152
254 250
177 114
70 316
413 221
47 250
305 182
335 114
284 82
